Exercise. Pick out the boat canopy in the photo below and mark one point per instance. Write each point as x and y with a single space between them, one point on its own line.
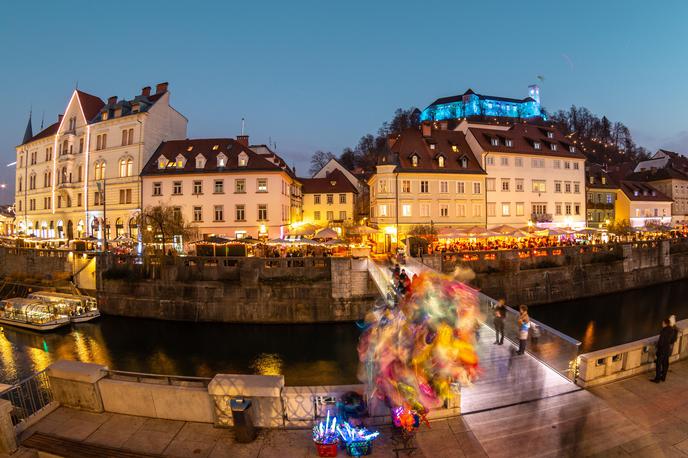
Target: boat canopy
25 305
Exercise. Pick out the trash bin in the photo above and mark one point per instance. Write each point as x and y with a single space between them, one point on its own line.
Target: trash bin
244 430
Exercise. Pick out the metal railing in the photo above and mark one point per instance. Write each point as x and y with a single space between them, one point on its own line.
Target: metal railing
29 396
158 379
553 348
382 281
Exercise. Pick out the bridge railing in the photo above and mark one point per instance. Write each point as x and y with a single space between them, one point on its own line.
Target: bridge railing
29 398
552 347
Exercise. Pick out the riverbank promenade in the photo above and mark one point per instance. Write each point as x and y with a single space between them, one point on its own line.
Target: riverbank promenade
518 408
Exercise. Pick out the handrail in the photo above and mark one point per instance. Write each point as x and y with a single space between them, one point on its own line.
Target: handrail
163 377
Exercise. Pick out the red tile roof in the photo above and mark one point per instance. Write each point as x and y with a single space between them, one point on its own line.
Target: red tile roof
229 147
90 104
48 131
524 137
335 181
639 191
446 143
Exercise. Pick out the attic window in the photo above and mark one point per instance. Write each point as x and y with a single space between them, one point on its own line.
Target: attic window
572 149
414 160
216 147
536 145
200 161
635 192
243 159
333 183
221 160
440 161
455 148
550 134
494 141
181 161
464 162
553 147
162 162
604 180
190 148
509 142
432 146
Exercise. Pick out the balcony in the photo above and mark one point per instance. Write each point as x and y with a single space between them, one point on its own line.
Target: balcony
541 217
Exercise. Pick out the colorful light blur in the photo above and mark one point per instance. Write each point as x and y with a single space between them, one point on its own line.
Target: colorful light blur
412 353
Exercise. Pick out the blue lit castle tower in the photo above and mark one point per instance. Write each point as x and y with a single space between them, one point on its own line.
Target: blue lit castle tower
470 104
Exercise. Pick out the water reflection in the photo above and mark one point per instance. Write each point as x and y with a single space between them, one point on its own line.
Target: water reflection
304 354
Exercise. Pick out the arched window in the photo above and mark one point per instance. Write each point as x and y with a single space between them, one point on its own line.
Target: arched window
440 161
63 179
123 167
464 162
414 160
130 167
46 179
100 170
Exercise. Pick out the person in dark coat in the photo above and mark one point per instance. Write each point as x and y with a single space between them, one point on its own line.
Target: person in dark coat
498 320
664 348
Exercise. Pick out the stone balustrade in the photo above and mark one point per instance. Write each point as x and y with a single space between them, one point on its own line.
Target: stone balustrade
621 361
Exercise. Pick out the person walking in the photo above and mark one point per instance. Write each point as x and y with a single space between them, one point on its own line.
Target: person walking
523 327
664 347
498 320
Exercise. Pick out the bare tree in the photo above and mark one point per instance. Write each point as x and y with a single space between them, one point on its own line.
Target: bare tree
162 223
318 161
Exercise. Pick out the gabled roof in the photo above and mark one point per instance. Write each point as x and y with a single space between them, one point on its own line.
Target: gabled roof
335 181
90 104
639 191
597 172
524 137
210 148
448 143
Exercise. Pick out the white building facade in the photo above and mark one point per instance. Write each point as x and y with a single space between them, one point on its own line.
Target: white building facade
535 175
80 175
223 188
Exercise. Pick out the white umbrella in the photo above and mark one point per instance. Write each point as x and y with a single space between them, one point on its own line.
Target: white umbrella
326 233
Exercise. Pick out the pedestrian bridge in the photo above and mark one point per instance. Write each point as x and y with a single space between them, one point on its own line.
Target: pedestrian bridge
506 379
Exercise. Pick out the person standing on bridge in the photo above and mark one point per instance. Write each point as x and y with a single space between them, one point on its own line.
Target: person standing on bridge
664 347
523 328
498 320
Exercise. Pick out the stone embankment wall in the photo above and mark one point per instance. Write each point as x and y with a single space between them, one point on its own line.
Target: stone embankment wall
258 290
539 276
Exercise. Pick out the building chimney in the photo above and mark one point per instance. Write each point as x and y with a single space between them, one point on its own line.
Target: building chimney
146 91
426 128
112 100
161 87
59 118
242 139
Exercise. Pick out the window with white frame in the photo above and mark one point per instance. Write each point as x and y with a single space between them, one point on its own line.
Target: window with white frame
519 208
316 199
556 164
424 186
476 187
557 208
405 186
491 208
424 210
506 209
219 187
504 161
490 160
342 198
490 184
444 210
177 188
262 185
444 187
460 187
219 213
567 208
240 212
477 210
406 210
461 210
557 186
240 185
575 166
505 184
567 165
519 184
157 189
519 162
537 163
329 199
198 214
382 210
262 212
316 215
197 187
567 187
539 186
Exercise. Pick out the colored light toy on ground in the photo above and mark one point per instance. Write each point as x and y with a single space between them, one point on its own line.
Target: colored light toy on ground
326 437
410 355
358 441
406 419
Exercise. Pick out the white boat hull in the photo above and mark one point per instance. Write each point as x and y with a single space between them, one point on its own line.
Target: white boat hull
52 325
84 317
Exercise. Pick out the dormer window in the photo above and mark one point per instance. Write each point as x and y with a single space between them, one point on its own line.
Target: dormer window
221 160
550 134
440 161
162 162
463 162
414 160
635 192
604 180
572 149
200 161
553 147
591 179
180 161
509 142
216 147
190 148
242 159
432 146
455 148
536 145
494 141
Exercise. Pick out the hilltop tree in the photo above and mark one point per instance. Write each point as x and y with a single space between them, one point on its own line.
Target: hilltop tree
318 161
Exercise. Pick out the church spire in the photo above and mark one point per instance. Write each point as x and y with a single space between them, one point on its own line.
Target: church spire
28 134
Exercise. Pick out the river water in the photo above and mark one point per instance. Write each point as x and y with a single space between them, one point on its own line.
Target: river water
306 354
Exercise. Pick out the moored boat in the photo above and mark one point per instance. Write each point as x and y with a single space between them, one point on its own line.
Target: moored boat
31 314
77 307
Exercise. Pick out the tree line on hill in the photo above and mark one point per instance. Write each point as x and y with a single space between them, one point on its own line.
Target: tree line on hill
602 141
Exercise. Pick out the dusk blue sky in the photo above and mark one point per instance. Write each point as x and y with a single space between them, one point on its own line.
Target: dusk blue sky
319 74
